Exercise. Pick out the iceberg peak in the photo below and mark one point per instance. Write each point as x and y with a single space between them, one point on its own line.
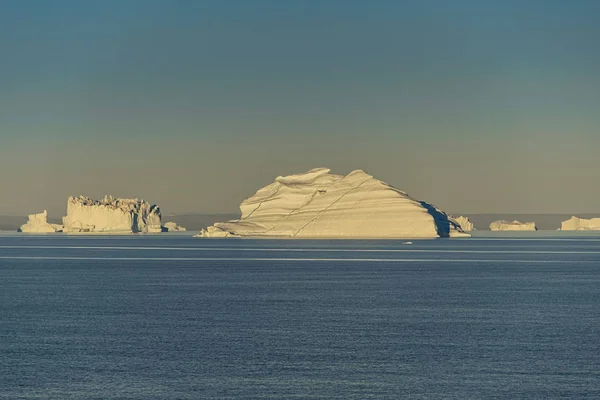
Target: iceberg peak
303 179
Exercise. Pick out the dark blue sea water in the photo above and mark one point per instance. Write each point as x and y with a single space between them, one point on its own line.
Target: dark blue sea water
173 317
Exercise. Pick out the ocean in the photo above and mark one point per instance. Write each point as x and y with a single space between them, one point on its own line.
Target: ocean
174 317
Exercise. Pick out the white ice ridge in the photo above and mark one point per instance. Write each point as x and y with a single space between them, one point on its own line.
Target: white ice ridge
173 227
111 215
580 224
38 223
465 223
512 226
318 204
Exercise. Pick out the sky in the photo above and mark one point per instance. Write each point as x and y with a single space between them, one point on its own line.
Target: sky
477 106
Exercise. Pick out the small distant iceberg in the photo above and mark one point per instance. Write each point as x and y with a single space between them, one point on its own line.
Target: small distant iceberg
38 223
512 226
318 204
108 215
173 227
580 224
465 223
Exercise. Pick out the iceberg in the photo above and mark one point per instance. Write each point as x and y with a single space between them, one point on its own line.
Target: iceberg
512 226
318 204
38 223
111 215
172 227
580 224
465 223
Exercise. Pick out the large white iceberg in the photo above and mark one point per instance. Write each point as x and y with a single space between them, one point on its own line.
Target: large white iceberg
580 224
111 215
38 223
512 226
464 223
318 204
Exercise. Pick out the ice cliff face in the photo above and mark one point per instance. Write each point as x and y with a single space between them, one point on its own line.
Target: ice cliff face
111 215
38 223
512 226
464 223
580 224
173 227
318 204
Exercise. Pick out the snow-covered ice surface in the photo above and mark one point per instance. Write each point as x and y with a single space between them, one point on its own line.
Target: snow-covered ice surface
318 204
111 215
512 226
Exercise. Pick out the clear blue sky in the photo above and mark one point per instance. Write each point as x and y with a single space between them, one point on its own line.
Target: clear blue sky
474 105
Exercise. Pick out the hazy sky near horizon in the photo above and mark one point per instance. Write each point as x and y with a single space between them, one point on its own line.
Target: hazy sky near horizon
477 106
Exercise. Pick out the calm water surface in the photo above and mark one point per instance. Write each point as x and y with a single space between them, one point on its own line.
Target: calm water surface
172 317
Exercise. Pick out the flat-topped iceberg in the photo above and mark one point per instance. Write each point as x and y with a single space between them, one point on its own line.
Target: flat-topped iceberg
38 223
580 224
512 226
318 204
464 223
111 215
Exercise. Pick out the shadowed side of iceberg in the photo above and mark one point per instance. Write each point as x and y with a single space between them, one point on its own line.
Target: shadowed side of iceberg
446 226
